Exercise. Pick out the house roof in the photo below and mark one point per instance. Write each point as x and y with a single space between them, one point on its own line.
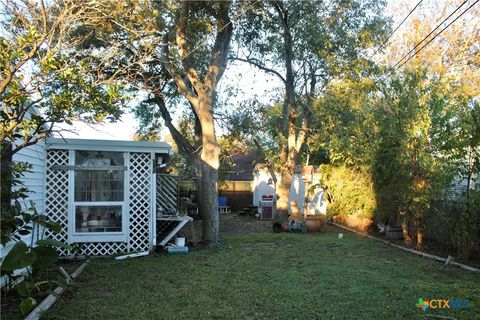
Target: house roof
243 167
108 145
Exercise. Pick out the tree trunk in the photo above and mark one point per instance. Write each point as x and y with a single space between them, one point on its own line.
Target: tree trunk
209 164
209 204
406 235
465 249
419 234
199 92
403 222
283 191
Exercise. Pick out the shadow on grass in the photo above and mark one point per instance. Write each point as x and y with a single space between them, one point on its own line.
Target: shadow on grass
265 276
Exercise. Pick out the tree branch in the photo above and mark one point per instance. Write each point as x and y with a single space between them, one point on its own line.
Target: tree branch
184 147
182 47
261 67
177 78
218 61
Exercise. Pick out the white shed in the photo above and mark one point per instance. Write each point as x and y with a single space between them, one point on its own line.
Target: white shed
263 184
103 193
34 179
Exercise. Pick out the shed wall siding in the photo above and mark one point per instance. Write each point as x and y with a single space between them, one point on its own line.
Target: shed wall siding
34 180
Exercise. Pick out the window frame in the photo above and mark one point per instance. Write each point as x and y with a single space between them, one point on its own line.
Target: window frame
116 236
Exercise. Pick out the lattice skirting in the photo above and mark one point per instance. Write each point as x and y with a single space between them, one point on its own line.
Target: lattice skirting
102 248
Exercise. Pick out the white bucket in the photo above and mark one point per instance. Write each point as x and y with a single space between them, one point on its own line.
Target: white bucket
180 242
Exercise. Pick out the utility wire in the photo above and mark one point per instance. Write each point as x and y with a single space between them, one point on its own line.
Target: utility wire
431 32
448 25
391 34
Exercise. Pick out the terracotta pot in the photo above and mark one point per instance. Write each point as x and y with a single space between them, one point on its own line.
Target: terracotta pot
315 223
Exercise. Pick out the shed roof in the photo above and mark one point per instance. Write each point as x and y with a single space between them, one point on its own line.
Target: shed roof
108 145
243 167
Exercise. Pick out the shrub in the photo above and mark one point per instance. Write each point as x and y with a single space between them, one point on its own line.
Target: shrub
349 191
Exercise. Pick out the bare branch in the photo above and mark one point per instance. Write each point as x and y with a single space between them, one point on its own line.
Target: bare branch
257 64
177 78
184 146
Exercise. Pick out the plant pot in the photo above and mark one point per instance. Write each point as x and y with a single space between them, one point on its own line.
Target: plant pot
315 223
394 232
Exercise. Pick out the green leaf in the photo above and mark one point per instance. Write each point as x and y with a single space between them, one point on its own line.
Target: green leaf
18 206
24 289
26 305
18 257
55 227
24 232
46 257
54 243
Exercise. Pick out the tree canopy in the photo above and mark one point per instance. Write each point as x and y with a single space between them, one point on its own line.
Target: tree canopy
43 80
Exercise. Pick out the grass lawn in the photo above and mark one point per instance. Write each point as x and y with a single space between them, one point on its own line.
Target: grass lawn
271 276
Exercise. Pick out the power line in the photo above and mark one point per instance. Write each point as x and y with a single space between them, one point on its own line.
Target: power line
448 25
391 34
431 32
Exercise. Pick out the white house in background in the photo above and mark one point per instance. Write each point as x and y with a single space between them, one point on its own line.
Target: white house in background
102 192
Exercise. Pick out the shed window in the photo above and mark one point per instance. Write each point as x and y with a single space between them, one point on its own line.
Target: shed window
99 195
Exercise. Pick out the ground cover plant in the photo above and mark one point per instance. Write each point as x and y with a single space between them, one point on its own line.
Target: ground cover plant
271 276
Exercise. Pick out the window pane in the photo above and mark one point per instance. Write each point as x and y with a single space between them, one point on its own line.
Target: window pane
98 219
98 158
101 185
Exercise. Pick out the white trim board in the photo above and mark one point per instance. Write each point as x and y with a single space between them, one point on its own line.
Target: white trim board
108 145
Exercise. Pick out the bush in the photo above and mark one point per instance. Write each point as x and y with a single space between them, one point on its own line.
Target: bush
349 191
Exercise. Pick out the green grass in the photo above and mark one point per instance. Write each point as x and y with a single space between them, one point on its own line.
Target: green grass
270 276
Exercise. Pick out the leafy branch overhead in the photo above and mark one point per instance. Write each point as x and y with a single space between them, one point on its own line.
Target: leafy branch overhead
44 81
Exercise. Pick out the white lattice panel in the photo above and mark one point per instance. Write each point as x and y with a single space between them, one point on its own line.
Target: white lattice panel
102 248
140 180
56 204
167 192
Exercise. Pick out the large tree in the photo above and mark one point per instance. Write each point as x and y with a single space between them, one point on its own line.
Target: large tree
306 45
173 54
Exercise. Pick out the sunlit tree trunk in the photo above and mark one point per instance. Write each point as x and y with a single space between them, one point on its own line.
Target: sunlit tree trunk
209 163
292 139
199 92
418 223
